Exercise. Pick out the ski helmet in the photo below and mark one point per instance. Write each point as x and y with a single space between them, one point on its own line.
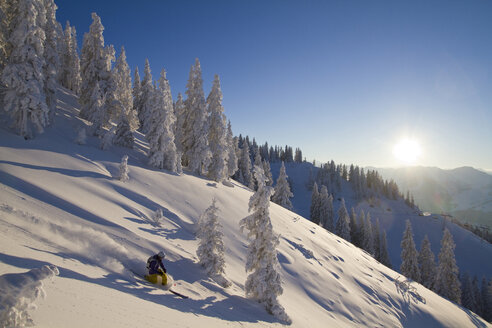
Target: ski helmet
161 254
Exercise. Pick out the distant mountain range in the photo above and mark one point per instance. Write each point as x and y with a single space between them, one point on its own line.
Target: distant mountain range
465 192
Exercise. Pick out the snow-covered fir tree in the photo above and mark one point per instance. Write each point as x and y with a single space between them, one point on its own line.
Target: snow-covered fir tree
123 135
162 150
282 193
447 283
315 205
179 112
409 257
342 227
264 282
107 139
157 217
268 173
326 209
96 108
123 173
427 264
81 138
196 146
376 237
122 81
245 167
467 297
368 238
486 300
95 67
385 259
145 100
217 134
52 60
136 91
232 160
361 229
211 248
65 57
24 98
354 229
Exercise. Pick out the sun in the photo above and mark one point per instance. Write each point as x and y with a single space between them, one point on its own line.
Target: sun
407 151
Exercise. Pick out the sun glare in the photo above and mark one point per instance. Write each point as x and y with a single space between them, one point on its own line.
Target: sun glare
407 151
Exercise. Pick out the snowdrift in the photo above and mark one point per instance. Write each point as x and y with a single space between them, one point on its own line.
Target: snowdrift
60 206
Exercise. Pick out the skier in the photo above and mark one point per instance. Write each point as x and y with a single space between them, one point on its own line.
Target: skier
155 265
157 271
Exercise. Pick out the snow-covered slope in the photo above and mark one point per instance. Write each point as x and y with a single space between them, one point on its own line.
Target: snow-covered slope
464 192
392 216
59 205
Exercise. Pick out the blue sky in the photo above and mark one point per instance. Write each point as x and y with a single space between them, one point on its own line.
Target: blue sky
342 80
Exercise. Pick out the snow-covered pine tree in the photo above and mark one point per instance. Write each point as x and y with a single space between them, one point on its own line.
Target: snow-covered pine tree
96 108
157 217
95 67
123 135
245 167
447 283
81 136
486 300
145 100
385 259
121 77
123 175
282 193
264 283
342 227
467 297
368 241
65 57
107 139
376 240
326 209
162 150
196 147
232 160
409 256
315 205
268 173
361 225
136 92
427 264
477 300
354 229
24 97
179 112
52 60
217 134
211 248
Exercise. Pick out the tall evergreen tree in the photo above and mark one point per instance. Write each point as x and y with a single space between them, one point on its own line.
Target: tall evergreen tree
447 283
368 238
326 209
342 227
245 168
264 283
145 100
376 237
95 67
268 173
315 205
196 147
282 193
486 300
180 113
427 264
121 76
385 259
217 134
354 229
211 248
22 75
162 150
467 297
232 160
52 60
409 256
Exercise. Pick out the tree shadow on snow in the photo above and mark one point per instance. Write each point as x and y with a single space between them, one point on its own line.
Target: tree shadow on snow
232 308
67 172
49 198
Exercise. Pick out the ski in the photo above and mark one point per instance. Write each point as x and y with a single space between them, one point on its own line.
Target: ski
178 294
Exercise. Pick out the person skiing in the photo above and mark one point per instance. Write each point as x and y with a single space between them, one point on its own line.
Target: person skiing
155 265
